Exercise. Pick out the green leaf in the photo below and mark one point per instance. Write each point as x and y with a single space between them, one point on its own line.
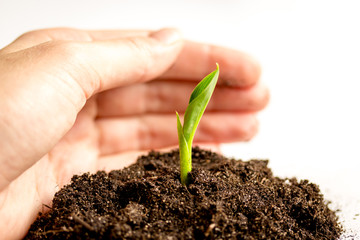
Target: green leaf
197 104
199 99
203 84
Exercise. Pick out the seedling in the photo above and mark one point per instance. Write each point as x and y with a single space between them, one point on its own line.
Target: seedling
198 101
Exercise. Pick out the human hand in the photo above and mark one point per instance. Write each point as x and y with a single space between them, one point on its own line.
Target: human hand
75 101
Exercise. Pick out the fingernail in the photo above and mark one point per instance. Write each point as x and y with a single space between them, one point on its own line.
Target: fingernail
166 36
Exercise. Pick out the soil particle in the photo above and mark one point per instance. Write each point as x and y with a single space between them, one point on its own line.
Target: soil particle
226 199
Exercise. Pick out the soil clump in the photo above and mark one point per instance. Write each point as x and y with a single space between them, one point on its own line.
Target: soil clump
226 199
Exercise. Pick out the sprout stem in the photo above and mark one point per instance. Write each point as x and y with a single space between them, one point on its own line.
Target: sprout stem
199 99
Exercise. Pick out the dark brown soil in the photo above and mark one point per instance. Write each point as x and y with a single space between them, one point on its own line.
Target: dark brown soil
226 199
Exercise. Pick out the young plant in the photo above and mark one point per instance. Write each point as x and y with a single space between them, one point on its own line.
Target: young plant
194 111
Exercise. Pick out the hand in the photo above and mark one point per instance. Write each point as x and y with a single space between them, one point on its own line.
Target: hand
74 101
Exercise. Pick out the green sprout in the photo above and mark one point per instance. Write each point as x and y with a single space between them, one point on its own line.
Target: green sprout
198 101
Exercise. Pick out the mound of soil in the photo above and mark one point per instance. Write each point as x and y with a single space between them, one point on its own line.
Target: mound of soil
226 199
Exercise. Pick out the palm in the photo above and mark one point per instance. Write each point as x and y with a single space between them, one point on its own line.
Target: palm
34 189
77 152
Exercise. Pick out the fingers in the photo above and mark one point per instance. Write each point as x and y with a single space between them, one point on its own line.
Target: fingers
158 131
171 96
196 60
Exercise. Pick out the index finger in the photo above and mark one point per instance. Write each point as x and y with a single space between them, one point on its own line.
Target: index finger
196 60
37 37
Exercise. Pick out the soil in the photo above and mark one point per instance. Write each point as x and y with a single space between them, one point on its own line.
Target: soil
226 199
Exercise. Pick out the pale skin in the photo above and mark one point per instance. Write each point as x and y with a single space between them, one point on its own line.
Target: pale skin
75 101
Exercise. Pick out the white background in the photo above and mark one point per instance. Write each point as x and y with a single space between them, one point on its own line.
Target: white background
310 53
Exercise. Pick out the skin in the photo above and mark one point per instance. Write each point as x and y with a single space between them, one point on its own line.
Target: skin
75 101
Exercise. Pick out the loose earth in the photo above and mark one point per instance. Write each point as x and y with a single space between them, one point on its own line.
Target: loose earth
226 199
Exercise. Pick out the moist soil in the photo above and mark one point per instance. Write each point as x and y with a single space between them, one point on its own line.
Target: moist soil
226 199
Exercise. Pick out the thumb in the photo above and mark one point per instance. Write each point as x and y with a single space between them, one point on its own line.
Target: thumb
44 87
102 65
